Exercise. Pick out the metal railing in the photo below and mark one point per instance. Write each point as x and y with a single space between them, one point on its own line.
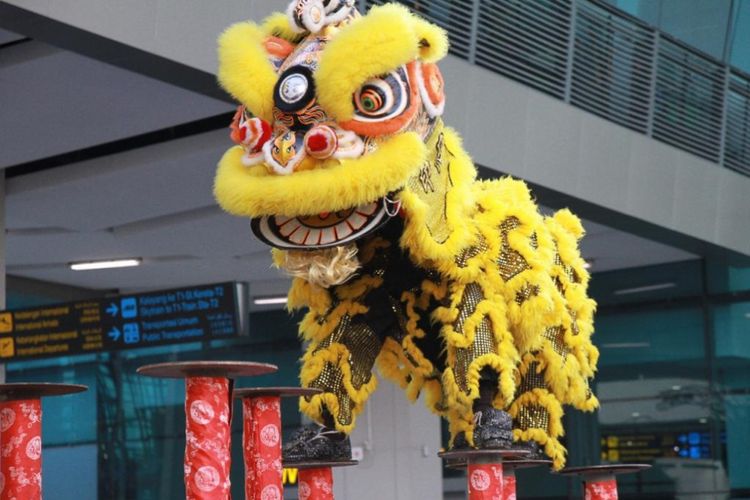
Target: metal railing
608 63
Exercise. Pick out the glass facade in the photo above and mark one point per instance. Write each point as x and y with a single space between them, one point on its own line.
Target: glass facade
674 385
719 28
125 437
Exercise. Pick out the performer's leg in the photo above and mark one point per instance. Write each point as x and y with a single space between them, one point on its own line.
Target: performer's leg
346 331
481 360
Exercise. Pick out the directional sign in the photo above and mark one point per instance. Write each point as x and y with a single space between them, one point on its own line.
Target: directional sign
138 320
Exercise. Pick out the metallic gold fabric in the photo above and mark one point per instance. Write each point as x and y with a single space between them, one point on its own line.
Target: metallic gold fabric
463 259
363 347
532 380
526 292
556 336
483 341
533 417
510 262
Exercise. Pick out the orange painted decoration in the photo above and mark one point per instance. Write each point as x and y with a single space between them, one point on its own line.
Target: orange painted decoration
278 47
433 83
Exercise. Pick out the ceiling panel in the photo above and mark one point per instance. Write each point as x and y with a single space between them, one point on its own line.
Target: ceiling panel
9 37
159 274
150 182
54 101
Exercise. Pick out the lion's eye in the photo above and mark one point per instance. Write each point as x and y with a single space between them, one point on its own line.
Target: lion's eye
381 99
370 100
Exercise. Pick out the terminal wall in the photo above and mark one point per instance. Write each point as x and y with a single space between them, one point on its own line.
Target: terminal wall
507 127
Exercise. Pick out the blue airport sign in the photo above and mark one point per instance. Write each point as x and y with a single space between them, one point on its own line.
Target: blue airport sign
198 313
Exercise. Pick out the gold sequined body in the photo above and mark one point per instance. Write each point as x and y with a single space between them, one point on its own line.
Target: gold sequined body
496 288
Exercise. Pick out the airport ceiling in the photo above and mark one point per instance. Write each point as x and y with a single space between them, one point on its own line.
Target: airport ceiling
103 163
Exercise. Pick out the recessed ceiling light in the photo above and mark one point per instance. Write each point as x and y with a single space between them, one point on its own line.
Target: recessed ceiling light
703 420
635 414
646 288
104 264
588 263
267 301
676 387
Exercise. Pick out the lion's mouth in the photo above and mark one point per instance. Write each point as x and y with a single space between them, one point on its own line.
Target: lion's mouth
324 230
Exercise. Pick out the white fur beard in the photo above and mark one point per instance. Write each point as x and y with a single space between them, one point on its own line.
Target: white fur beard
326 267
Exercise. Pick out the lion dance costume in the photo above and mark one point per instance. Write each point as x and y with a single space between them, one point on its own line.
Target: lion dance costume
404 260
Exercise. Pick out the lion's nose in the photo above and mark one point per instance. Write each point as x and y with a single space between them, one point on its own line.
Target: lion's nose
321 142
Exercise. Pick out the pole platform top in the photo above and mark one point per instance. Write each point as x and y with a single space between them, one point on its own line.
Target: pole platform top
320 464
509 464
32 390
188 369
607 469
522 463
470 453
256 392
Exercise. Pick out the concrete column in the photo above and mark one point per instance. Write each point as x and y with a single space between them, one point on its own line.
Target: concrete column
2 258
401 462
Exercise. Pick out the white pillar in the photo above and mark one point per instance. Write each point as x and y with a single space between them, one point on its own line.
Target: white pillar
401 462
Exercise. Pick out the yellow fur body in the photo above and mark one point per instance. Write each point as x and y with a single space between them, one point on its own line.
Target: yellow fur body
504 287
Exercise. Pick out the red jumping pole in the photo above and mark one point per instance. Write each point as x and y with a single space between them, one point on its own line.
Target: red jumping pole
484 474
315 480
315 484
21 437
599 481
208 397
509 474
261 439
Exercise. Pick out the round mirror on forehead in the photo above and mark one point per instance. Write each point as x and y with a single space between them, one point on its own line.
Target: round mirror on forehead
295 89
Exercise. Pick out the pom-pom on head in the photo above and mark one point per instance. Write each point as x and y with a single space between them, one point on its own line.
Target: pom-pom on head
313 15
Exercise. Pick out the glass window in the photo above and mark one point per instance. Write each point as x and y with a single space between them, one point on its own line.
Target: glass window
732 323
653 384
739 42
699 23
647 10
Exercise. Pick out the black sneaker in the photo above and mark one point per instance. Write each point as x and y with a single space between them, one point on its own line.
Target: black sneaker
493 429
315 443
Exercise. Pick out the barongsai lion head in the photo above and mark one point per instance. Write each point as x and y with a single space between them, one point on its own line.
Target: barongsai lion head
339 114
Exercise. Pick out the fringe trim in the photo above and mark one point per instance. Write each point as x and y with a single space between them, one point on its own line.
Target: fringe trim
313 364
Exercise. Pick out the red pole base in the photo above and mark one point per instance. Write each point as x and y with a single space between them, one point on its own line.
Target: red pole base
509 483
207 444
21 442
485 479
261 435
604 488
315 484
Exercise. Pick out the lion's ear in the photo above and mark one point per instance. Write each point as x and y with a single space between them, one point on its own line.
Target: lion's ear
433 40
245 68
